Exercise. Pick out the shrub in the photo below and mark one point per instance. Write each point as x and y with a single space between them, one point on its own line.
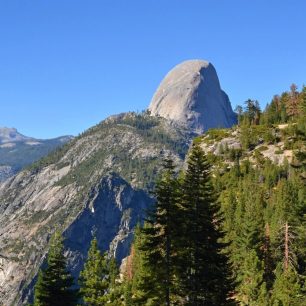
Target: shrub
262 148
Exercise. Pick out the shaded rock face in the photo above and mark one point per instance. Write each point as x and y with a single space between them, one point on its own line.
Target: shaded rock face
191 95
111 216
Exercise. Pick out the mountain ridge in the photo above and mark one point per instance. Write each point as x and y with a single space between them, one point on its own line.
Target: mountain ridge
18 150
118 159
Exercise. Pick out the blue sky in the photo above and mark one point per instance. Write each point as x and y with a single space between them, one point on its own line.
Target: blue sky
65 65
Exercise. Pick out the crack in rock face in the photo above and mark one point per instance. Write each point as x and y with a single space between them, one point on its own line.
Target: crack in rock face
191 95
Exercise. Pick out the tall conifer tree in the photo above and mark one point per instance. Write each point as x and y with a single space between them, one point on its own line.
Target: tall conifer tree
162 233
142 285
98 278
203 271
53 287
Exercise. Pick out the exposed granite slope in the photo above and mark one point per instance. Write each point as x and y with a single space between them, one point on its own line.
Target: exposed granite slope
191 95
99 182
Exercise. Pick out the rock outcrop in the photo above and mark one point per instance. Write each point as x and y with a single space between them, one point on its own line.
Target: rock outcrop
191 95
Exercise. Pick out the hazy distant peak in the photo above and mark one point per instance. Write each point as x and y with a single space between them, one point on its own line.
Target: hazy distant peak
12 135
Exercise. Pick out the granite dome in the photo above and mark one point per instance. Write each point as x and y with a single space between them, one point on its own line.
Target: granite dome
190 94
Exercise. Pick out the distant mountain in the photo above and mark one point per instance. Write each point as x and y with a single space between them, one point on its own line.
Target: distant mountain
18 151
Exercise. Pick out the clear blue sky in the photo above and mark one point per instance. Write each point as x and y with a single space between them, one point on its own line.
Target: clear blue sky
65 65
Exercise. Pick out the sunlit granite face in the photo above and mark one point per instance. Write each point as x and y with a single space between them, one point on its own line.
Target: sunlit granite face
191 95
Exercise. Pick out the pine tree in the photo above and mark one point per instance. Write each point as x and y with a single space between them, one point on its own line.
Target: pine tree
203 272
287 287
113 272
229 204
252 111
273 111
142 286
292 105
246 136
127 293
302 103
239 111
268 259
246 250
94 278
53 287
115 288
287 290
252 287
283 102
160 234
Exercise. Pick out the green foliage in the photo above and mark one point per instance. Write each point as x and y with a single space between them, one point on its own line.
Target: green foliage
275 112
262 148
181 265
53 287
251 287
269 136
257 198
141 121
252 112
162 234
256 204
252 135
142 286
278 151
98 278
287 289
93 278
52 157
209 229
198 139
290 106
149 131
153 250
217 134
203 269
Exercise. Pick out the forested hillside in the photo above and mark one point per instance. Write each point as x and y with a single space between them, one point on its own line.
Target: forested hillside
228 229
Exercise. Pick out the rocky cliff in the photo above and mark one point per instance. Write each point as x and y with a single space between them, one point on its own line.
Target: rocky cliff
191 95
97 183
